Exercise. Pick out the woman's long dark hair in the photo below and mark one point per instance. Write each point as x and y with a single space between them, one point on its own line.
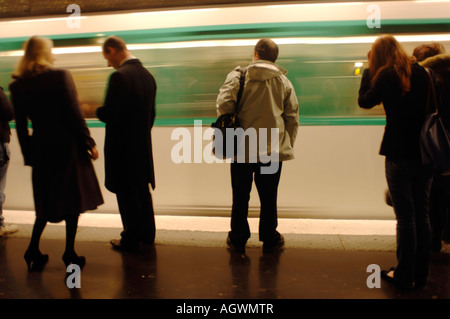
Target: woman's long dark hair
387 52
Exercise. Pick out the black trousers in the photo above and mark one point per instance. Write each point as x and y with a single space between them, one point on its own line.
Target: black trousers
439 207
409 184
136 210
267 186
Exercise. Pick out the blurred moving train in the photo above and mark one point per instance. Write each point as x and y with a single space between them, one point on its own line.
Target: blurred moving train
337 172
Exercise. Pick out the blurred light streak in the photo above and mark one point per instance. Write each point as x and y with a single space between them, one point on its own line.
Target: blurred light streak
246 42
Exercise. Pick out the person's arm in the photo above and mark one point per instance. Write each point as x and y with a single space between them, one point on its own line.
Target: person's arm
23 135
291 114
153 109
226 100
75 115
109 110
371 94
6 110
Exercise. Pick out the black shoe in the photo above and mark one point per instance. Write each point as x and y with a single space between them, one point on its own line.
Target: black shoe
118 244
436 244
385 276
148 243
271 247
35 260
237 248
446 235
147 240
73 259
420 284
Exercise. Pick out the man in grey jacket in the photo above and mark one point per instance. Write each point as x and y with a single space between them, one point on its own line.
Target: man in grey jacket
268 106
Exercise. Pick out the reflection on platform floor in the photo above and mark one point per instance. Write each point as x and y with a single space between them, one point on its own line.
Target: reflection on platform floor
191 272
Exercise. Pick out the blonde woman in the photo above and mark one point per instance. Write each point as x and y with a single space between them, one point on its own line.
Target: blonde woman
59 150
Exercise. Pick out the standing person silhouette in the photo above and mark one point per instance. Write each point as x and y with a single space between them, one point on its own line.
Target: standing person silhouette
433 56
401 84
59 150
130 98
268 102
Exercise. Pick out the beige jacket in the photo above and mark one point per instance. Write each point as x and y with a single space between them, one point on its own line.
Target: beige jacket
268 101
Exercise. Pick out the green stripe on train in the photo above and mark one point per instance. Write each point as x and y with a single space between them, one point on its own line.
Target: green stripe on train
245 31
206 121
304 121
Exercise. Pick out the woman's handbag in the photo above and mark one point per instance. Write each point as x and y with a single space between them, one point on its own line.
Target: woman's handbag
227 121
434 137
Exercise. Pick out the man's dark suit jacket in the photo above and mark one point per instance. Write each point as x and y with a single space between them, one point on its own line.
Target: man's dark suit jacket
129 114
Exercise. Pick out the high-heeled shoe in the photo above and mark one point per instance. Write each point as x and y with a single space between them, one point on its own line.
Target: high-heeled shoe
35 260
73 258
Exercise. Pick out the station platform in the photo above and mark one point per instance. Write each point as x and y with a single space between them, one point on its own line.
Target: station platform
322 259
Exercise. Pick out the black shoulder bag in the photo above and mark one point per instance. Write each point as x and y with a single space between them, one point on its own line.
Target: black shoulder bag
229 121
434 138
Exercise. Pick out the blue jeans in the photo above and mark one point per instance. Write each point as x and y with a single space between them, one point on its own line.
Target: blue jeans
409 185
3 170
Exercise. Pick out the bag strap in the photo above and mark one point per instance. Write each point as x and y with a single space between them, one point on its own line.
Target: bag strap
432 92
241 89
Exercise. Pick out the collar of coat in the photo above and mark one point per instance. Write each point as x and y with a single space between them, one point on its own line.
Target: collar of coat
263 70
130 60
439 63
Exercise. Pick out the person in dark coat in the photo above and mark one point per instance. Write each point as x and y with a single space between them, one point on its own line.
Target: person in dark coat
401 84
6 115
433 56
129 114
59 150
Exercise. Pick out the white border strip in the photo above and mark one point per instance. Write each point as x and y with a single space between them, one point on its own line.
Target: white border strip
222 224
234 43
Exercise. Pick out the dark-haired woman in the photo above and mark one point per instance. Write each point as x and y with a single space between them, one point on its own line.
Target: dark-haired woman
401 84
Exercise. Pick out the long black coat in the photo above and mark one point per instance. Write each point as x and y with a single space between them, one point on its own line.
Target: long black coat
129 114
64 180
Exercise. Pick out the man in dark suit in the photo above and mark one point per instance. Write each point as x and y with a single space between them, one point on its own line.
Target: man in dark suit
129 113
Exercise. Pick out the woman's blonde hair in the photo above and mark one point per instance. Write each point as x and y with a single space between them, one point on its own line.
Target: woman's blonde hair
37 57
387 52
